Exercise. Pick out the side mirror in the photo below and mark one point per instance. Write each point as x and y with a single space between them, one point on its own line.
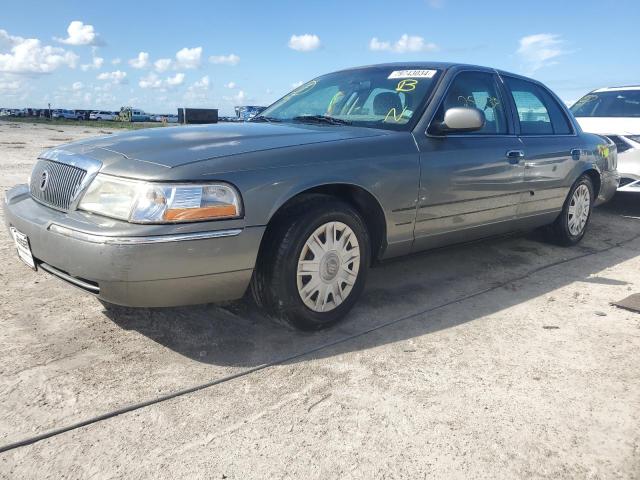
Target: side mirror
461 119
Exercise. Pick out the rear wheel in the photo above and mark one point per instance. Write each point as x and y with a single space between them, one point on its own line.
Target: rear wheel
313 265
571 225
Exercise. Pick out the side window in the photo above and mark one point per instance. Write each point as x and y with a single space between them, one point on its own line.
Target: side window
477 90
538 111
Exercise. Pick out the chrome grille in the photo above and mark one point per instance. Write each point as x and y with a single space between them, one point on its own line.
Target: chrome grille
60 183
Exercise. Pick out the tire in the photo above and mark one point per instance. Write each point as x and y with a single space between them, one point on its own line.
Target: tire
336 270
571 225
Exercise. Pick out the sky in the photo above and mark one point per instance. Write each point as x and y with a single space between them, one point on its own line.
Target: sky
159 55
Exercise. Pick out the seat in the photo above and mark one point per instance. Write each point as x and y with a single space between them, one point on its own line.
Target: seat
384 102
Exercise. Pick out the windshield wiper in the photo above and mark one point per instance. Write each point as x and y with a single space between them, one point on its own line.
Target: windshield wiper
262 118
321 119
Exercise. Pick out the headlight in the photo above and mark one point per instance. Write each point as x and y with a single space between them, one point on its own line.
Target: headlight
146 202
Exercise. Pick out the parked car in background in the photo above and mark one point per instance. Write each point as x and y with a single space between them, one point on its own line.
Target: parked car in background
139 116
615 112
247 112
5 112
102 115
351 168
164 117
67 114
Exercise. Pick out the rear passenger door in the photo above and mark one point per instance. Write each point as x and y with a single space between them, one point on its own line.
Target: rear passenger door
550 145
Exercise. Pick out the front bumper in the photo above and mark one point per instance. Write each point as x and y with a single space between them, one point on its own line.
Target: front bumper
179 268
629 168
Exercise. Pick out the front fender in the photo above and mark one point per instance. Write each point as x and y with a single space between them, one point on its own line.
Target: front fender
387 168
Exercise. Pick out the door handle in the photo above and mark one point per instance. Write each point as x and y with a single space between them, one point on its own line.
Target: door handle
514 156
575 153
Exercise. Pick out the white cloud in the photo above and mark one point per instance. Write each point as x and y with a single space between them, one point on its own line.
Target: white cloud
406 43
115 77
296 84
202 84
80 34
77 86
28 55
116 61
231 59
95 64
189 57
198 90
141 61
304 43
154 81
162 64
150 81
239 98
176 80
9 86
540 50
230 85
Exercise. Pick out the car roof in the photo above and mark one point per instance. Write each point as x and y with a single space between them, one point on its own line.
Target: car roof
616 89
435 65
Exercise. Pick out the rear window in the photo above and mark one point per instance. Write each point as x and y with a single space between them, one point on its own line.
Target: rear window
618 103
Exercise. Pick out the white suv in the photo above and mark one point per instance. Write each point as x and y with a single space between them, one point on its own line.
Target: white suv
615 112
102 115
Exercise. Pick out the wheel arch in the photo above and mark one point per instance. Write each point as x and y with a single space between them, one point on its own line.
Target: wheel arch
595 177
360 198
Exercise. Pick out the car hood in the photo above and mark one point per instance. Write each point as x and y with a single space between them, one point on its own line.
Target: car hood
171 147
610 125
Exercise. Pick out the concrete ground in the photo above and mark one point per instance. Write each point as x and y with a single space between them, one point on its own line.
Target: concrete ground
501 359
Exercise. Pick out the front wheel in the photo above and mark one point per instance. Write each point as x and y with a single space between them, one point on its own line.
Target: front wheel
313 267
571 225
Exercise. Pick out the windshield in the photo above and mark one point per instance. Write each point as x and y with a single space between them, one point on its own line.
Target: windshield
379 97
617 103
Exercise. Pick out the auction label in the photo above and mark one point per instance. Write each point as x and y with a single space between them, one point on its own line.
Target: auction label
412 74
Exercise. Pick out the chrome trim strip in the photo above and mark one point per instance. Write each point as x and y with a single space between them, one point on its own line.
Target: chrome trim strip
178 237
72 280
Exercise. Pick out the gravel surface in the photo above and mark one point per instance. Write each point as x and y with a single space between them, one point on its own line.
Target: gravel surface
500 359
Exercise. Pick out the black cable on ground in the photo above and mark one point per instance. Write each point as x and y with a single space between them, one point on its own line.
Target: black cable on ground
179 393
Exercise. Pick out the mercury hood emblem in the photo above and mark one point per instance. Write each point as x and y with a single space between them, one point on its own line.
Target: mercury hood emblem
44 180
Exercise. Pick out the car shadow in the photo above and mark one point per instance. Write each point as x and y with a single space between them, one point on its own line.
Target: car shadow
400 297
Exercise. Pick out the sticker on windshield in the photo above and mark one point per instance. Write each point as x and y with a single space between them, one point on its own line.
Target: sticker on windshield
393 114
406 85
412 74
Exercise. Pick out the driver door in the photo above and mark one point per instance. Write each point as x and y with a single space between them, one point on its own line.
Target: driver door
470 182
